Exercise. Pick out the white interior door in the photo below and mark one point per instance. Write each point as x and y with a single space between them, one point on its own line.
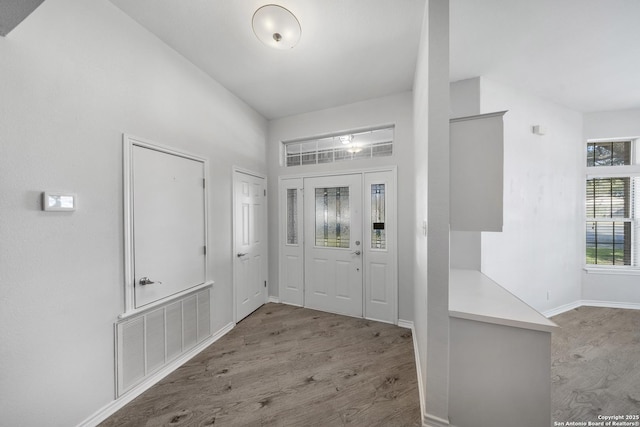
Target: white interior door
250 272
333 244
169 224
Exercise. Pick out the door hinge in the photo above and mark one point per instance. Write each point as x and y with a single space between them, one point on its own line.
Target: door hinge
204 183
265 193
205 250
265 283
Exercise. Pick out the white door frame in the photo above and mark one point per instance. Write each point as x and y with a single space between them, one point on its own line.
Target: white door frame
282 218
128 142
234 275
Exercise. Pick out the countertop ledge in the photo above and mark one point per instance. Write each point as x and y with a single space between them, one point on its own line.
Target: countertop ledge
474 296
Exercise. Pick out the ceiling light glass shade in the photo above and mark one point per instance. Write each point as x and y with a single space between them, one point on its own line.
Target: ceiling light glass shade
354 149
276 27
345 139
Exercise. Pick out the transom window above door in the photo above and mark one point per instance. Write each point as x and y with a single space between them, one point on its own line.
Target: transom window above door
362 144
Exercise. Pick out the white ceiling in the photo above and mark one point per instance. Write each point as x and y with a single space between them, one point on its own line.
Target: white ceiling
584 54
350 50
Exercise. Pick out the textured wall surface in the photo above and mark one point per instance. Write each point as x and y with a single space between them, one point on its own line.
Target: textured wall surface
539 248
13 12
74 76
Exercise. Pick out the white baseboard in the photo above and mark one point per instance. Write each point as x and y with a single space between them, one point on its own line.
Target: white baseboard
410 325
591 303
433 421
428 420
111 408
611 304
561 309
273 299
290 303
407 324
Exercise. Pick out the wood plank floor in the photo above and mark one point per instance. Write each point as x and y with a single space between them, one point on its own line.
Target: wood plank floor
595 367
289 366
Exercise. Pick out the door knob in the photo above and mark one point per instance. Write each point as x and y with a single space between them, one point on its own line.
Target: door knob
146 281
356 253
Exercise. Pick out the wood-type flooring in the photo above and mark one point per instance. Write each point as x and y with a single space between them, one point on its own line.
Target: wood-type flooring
289 366
595 365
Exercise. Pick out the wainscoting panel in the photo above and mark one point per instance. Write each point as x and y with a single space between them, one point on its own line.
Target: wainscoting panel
132 338
150 340
190 316
155 339
174 329
204 315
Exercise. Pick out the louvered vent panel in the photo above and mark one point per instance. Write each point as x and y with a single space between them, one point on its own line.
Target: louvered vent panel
132 351
204 315
147 342
174 330
190 317
155 339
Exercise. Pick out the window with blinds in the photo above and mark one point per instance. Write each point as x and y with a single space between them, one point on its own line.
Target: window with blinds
336 148
610 213
611 206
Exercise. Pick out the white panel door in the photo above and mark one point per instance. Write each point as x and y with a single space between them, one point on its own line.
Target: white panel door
169 231
333 244
250 244
291 242
381 276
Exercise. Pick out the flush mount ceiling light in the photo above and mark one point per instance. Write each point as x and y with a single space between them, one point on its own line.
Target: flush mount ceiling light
276 27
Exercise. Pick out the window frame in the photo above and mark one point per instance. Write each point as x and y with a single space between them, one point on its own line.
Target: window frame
619 171
328 148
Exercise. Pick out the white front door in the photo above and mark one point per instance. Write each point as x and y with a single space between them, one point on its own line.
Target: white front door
249 243
333 244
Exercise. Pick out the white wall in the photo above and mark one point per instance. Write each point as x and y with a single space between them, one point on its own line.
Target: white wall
465 245
618 288
540 247
611 124
465 97
421 157
431 268
74 76
394 109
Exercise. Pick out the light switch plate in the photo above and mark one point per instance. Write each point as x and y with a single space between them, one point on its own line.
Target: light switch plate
56 201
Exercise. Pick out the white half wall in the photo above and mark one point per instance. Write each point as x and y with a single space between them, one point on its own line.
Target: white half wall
538 255
431 232
419 235
394 109
614 287
74 76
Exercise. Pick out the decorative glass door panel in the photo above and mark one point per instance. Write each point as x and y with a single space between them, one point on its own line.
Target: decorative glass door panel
292 216
333 217
378 232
